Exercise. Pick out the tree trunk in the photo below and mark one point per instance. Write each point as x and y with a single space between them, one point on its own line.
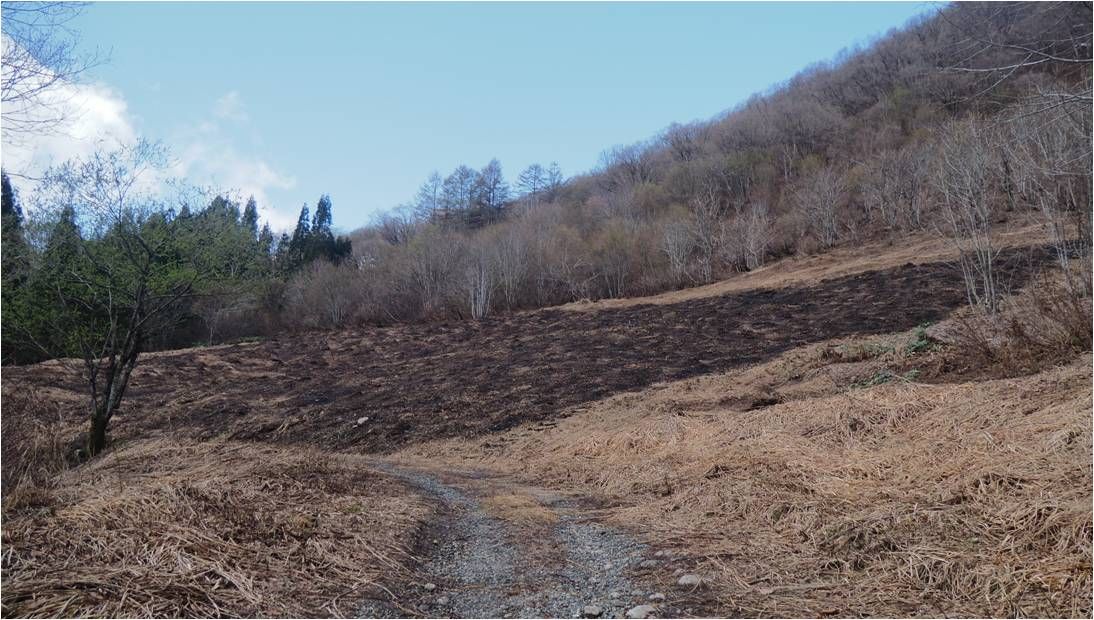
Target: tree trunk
96 439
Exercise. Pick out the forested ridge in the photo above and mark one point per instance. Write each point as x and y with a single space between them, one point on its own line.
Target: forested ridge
963 117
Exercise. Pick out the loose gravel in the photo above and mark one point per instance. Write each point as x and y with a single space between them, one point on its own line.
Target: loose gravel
481 569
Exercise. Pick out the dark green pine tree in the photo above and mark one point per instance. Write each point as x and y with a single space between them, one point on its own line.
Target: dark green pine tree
321 244
321 225
299 244
14 246
39 320
281 253
250 216
222 211
15 267
266 241
10 202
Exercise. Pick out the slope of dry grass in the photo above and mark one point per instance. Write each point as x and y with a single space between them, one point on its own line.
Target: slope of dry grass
839 262
177 529
968 499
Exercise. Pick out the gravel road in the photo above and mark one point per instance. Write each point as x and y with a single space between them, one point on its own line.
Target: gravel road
482 566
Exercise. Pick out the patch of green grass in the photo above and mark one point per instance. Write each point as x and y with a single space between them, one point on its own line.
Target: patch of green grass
921 342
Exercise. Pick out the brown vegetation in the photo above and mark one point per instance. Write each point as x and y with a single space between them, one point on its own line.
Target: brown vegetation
806 446
163 528
805 495
958 122
822 435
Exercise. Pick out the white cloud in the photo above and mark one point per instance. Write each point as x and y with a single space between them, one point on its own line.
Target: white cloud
97 117
213 160
93 117
230 107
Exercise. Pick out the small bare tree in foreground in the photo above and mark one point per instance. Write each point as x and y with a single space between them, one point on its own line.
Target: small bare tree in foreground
118 271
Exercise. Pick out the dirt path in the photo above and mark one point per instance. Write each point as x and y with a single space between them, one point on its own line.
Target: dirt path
499 550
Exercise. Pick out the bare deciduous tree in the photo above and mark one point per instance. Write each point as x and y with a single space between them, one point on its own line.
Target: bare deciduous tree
1054 155
627 165
39 59
819 198
707 213
685 142
427 203
755 225
532 184
479 279
1001 41
510 255
966 178
325 295
553 180
894 188
568 263
432 260
397 227
123 281
677 243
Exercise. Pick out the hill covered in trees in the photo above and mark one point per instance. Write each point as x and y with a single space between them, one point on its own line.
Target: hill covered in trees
965 116
893 421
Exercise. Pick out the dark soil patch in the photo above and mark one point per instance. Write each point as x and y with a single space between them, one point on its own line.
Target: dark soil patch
419 382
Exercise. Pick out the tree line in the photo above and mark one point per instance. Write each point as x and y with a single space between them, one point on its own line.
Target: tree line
96 241
858 148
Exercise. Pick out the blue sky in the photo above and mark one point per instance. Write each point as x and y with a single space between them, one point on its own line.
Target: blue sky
363 101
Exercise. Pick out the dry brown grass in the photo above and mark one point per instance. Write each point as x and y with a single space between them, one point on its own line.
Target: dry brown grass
37 445
970 499
162 528
520 508
799 487
1038 327
844 261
